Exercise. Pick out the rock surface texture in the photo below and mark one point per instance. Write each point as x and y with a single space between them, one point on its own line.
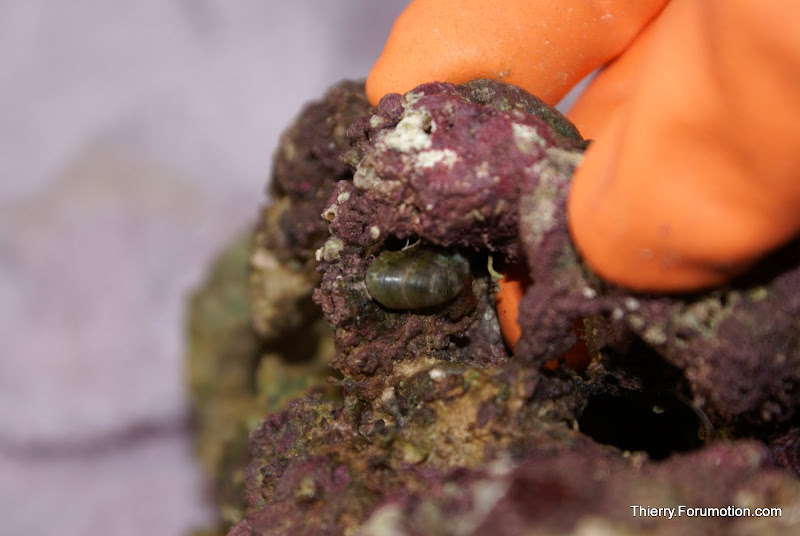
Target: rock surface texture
429 424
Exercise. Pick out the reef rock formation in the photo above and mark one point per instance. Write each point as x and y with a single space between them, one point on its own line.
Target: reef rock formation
437 428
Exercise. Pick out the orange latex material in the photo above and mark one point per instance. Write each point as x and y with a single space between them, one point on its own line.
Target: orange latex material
577 358
512 287
694 173
545 46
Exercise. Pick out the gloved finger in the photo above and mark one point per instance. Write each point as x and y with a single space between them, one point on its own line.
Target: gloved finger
696 174
544 46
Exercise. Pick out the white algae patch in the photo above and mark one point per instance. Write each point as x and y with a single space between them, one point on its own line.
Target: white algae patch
428 159
412 133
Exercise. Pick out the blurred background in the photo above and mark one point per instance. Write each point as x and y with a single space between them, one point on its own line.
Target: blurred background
135 142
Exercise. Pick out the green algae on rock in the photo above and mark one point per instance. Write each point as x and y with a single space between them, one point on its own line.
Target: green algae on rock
256 339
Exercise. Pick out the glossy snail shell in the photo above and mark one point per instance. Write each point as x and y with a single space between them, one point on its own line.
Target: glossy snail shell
417 277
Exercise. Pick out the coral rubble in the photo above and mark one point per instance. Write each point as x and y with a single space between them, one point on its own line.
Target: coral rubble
256 339
429 425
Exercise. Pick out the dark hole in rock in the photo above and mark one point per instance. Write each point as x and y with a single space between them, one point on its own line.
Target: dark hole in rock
394 243
460 341
656 424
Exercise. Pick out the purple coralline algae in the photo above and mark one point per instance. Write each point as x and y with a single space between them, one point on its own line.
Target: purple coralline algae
689 400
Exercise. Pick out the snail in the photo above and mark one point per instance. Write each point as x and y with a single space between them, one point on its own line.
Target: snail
417 277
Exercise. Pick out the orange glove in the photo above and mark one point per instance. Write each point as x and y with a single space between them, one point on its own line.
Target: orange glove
695 171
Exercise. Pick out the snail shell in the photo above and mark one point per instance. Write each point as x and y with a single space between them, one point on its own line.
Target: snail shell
417 277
